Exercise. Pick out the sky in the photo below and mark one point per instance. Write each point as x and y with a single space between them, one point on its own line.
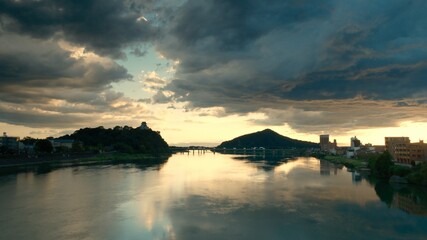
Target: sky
202 72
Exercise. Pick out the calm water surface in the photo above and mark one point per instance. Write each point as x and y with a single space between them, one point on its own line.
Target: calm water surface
209 197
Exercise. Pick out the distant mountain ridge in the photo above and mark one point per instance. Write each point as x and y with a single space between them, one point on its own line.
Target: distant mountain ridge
268 139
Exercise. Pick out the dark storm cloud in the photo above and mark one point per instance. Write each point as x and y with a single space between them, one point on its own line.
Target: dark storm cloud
205 34
24 59
31 70
42 85
341 115
103 26
246 57
296 61
56 60
28 117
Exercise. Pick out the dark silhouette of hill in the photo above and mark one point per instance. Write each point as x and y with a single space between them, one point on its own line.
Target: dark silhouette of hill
121 139
268 139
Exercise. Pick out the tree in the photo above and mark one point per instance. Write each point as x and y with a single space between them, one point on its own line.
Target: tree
4 150
43 146
385 192
383 165
28 140
419 174
77 146
122 147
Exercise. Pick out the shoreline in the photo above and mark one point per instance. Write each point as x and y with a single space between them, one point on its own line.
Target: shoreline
349 163
98 159
397 174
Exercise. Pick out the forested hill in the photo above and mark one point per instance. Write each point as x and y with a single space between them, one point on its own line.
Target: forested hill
268 139
122 139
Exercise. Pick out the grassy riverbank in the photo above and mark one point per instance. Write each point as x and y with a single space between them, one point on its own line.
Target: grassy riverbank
347 162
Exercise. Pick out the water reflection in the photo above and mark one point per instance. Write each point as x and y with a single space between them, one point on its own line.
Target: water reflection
265 162
356 177
208 197
326 168
46 167
411 199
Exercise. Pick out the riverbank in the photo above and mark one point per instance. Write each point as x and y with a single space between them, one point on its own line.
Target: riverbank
382 167
350 163
353 164
45 163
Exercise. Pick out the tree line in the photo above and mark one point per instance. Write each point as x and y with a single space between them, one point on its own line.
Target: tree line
119 139
122 139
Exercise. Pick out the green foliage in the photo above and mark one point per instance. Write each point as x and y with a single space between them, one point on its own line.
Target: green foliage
383 165
5 150
61 149
385 192
267 139
371 163
367 156
122 139
123 148
76 146
43 146
401 171
419 175
349 163
29 140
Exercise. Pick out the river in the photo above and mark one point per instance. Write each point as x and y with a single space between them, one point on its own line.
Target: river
209 196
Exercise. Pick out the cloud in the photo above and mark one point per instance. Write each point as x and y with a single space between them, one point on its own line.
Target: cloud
152 81
38 117
309 64
57 61
44 83
138 52
32 64
64 114
292 56
341 115
105 27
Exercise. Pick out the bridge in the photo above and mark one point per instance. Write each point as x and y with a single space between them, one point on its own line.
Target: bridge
243 151
258 151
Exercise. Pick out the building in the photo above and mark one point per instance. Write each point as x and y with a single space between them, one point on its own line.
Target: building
324 142
325 145
392 142
354 142
8 142
405 152
418 152
144 126
358 149
379 148
397 147
355 145
62 143
350 153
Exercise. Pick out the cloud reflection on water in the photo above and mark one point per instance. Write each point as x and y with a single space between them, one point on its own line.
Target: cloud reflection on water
208 197
217 185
